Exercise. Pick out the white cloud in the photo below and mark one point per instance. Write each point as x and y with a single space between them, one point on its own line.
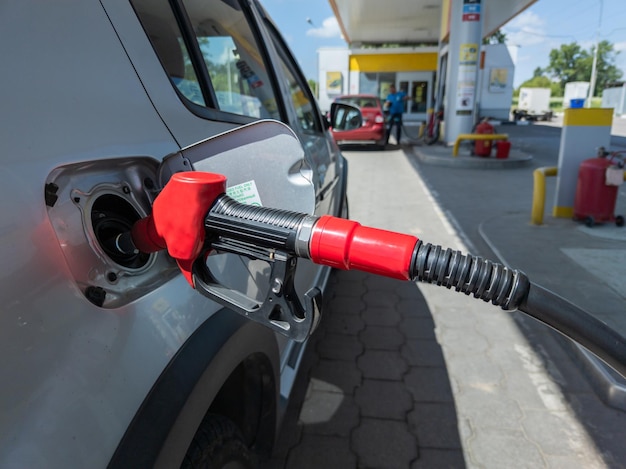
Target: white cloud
620 46
329 29
527 29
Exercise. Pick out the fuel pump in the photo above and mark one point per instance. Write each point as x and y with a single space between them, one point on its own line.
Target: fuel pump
193 216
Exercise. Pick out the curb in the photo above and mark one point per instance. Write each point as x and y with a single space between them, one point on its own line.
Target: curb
442 156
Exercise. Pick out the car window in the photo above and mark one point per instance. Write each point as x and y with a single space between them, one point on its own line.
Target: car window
368 102
359 101
167 40
349 100
306 111
228 55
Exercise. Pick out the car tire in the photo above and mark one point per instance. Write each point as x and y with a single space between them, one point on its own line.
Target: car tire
218 443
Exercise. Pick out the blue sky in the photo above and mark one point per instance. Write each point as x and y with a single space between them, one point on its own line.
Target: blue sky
304 38
549 23
544 26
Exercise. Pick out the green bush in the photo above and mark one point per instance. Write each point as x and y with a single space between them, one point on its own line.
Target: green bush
556 104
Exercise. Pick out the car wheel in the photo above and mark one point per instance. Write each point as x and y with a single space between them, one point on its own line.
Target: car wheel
218 444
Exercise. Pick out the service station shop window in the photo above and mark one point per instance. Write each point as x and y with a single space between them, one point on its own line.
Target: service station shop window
378 84
418 92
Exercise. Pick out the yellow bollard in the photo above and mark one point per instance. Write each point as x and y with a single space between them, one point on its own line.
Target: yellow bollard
539 193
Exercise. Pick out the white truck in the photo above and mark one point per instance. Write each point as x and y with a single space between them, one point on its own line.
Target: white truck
533 105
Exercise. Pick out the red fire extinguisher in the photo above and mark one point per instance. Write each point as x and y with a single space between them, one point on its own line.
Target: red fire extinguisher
483 147
597 187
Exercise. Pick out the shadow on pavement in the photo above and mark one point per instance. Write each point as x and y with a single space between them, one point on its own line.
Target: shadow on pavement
499 228
373 389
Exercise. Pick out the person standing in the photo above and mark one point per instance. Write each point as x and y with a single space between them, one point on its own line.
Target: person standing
395 104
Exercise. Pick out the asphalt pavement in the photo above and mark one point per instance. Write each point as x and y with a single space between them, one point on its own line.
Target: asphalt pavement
404 375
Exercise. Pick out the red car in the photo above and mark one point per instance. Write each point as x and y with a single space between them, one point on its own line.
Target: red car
373 128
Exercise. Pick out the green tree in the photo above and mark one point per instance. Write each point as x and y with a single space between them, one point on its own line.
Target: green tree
606 70
313 85
572 63
567 64
537 82
497 37
541 81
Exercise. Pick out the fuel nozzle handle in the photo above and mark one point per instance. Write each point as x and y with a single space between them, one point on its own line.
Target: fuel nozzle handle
347 245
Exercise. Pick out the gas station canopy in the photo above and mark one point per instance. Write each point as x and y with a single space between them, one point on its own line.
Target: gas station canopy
411 21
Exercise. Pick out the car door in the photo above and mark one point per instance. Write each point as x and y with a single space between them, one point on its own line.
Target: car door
221 70
306 120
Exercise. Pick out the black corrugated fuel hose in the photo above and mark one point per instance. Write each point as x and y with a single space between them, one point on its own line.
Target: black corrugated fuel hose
511 289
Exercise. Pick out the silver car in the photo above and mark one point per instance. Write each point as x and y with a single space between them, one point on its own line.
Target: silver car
113 360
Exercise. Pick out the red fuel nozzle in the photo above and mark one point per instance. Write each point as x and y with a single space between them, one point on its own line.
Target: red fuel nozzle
177 219
347 245
184 211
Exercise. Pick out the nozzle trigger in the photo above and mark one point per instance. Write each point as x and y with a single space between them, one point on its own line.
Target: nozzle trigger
281 309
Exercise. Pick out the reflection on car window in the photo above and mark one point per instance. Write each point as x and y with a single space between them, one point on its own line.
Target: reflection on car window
347 119
232 58
229 51
300 93
160 24
353 119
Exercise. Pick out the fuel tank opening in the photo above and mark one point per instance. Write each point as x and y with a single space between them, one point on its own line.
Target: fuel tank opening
112 216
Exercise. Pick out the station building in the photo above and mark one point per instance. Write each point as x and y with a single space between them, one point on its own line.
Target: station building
439 61
413 70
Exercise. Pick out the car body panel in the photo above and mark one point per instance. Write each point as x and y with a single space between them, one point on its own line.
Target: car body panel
88 108
57 348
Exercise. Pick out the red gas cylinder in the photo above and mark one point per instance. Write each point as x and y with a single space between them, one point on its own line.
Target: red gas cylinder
595 199
483 147
503 149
